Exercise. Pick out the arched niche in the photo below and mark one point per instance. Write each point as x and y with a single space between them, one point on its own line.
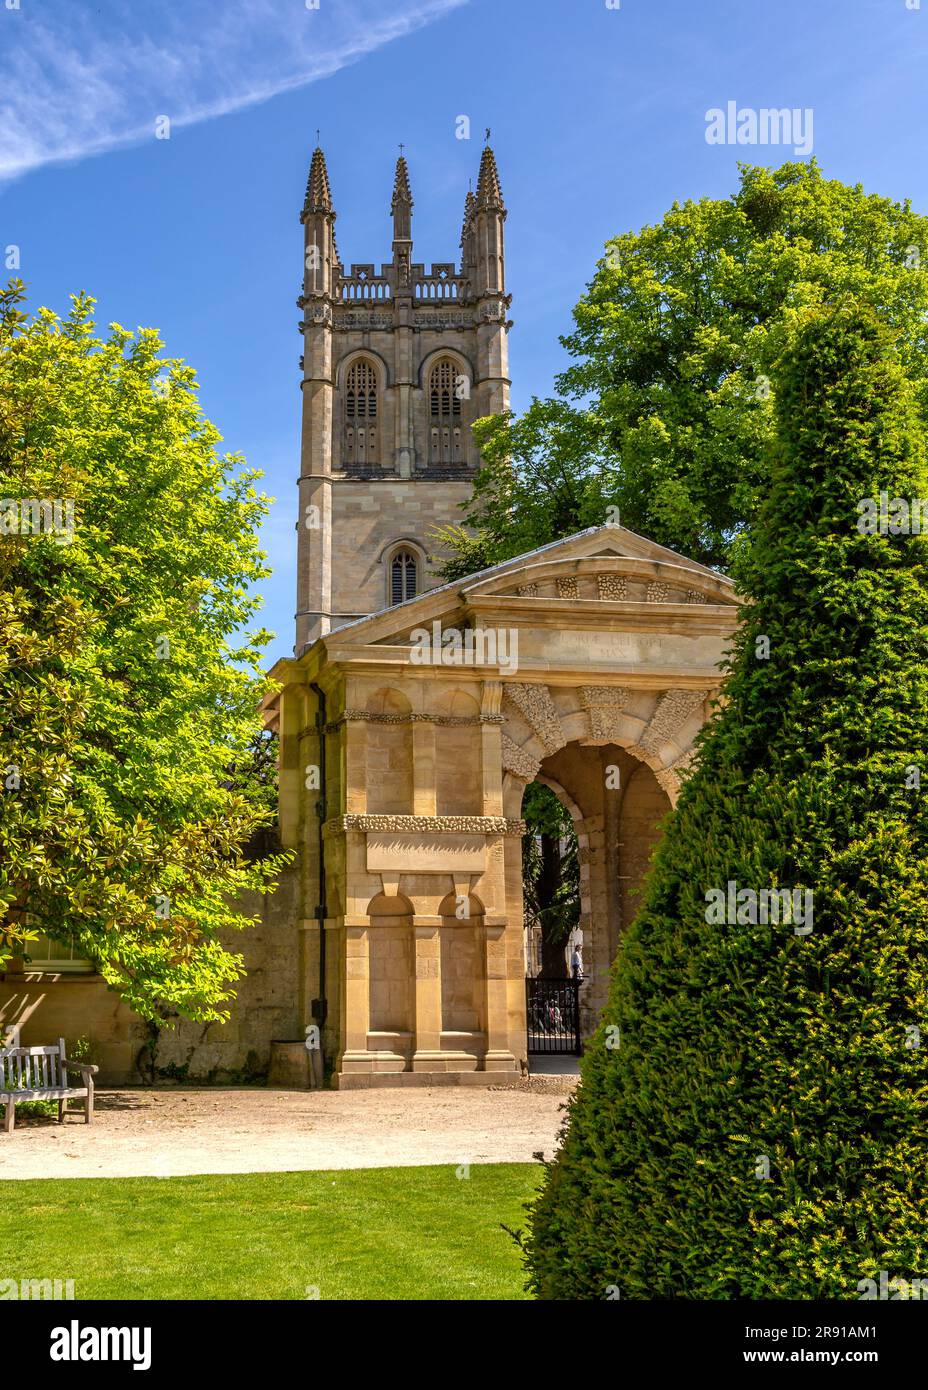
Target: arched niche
463 967
392 965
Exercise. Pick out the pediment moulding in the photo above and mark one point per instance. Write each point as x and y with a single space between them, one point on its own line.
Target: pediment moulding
598 559
609 579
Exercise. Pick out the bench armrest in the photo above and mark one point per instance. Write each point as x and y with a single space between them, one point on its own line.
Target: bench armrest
85 1068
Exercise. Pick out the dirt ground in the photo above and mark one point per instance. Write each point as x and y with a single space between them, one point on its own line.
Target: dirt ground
163 1133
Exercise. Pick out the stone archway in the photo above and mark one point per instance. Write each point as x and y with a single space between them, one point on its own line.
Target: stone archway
578 739
609 666
401 785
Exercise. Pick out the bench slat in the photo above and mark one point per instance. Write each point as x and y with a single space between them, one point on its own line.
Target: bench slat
45 1051
50 1093
31 1068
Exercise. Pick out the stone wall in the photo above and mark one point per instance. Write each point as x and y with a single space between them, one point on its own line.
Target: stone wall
368 517
74 1007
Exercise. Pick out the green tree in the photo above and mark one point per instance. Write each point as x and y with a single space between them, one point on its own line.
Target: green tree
128 684
752 1111
550 874
665 413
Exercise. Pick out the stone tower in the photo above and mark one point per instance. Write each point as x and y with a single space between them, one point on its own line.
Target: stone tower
396 365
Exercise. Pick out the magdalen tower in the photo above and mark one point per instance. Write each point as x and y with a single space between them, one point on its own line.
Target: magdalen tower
397 363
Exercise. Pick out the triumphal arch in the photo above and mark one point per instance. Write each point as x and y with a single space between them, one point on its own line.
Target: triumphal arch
407 741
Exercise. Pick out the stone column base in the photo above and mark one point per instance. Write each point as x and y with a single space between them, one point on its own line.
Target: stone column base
429 1060
355 1081
357 1062
500 1061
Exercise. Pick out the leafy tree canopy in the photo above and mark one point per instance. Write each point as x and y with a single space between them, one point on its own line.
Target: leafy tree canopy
128 684
666 413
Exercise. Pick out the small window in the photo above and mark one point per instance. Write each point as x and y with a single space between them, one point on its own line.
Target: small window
403 576
55 957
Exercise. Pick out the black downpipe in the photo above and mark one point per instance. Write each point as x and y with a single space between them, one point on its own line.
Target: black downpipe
320 1005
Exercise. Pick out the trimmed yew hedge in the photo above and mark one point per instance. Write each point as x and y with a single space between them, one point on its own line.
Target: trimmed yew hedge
750 1047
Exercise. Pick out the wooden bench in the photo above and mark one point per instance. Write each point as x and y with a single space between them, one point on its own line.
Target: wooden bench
41 1073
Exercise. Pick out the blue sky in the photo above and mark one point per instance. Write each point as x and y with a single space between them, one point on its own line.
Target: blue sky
598 121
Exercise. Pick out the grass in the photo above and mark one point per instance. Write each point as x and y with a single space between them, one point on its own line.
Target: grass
378 1233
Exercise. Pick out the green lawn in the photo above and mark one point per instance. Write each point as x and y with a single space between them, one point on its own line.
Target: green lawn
394 1233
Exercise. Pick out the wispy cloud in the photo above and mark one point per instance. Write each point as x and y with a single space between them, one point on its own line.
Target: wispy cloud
79 78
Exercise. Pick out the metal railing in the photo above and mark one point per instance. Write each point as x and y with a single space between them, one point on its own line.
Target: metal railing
553 1016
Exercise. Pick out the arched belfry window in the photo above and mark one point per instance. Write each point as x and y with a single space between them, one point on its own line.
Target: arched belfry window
361 413
404 576
445 438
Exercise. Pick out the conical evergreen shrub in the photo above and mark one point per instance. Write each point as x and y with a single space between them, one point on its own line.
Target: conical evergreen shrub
752 1120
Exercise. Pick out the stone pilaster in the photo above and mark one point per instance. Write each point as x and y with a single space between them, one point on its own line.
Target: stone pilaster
499 1055
356 993
428 996
491 749
423 767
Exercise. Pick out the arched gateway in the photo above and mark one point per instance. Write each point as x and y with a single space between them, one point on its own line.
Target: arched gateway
407 741
405 759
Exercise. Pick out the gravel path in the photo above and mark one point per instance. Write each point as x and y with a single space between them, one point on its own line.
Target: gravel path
172 1132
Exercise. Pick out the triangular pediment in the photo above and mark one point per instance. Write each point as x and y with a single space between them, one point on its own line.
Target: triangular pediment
579 580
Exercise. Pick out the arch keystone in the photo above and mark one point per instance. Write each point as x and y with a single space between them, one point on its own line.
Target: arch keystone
604 705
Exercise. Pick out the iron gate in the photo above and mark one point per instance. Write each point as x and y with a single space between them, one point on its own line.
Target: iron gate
553 1016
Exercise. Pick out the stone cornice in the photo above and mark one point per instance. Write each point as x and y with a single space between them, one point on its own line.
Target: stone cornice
381 660
363 716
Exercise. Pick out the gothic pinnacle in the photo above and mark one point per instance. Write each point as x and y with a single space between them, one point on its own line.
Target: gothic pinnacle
489 193
467 228
401 190
401 206
318 193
